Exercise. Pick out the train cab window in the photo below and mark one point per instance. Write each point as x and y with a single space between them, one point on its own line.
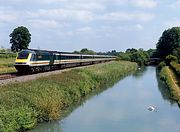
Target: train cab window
23 55
33 57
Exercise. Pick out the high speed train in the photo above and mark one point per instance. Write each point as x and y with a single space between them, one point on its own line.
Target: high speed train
32 60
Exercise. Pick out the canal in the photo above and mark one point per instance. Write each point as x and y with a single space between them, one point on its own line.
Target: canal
123 107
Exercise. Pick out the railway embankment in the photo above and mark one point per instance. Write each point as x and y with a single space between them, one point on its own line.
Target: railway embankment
25 104
172 81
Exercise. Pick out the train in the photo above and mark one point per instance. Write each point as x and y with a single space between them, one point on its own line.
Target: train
33 60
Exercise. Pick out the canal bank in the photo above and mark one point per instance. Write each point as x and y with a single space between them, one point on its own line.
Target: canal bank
171 79
23 105
123 107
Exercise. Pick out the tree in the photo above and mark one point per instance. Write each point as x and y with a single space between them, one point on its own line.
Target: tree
20 38
87 51
168 42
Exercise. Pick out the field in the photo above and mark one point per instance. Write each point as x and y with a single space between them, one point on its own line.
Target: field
7 63
23 105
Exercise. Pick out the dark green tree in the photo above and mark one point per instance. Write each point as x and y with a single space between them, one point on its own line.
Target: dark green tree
87 51
20 38
168 42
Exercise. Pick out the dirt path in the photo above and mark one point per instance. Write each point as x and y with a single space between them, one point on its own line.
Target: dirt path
175 82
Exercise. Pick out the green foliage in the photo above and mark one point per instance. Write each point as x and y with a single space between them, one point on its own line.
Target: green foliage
8 55
139 56
166 76
87 51
23 105
21 119
161 65
176 67
169 41
7 62
176 52
170 58
124 56
20 38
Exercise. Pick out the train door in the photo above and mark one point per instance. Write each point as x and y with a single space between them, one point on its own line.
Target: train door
51 59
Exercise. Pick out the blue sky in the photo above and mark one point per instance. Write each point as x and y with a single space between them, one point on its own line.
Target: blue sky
100 25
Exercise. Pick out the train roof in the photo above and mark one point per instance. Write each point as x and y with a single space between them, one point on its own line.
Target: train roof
65 53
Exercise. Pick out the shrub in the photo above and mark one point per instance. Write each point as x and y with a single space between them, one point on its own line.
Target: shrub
161 65
176 67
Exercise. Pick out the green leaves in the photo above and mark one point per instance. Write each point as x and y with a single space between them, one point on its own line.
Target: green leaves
169 41
20 38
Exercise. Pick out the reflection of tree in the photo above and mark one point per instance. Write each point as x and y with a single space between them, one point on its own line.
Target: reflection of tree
140 72
164 90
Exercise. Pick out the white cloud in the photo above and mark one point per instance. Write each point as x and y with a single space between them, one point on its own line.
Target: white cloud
8 16
85 29
36 1
144 3
137 3
63 14
176 4
172 23
44 23
124 16
86 6
139 27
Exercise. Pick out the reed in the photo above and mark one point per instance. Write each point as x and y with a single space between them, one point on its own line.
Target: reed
23 105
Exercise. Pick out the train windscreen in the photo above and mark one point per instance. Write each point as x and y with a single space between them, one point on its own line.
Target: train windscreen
23 55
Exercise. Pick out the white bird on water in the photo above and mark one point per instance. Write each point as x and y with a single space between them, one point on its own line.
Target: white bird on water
151 108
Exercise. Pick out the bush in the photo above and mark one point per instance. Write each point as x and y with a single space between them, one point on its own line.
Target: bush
170 58
176 67
161 65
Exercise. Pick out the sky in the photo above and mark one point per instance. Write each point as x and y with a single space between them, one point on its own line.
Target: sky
99 25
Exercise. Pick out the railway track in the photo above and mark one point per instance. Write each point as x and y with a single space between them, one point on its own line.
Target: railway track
8 76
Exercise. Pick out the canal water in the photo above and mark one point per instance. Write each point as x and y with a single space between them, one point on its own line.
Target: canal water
123 108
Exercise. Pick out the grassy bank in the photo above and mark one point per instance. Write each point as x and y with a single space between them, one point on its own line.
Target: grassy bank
176 67
7 63
22 106
171 80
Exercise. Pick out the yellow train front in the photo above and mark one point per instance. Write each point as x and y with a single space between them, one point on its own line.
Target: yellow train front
34 61
22 62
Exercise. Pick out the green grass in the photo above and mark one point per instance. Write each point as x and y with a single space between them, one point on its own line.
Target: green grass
23 105
176 67
7 65
169 77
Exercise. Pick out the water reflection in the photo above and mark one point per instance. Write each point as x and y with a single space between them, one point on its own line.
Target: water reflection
122 108
55 126
140 72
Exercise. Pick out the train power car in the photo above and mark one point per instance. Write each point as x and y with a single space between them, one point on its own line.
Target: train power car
31 60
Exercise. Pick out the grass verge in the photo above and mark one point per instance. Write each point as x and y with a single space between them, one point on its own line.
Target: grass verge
7 65
171 81
24 105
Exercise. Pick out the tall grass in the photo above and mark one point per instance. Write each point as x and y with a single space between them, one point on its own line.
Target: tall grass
169 78
176 67
23 105
7 64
